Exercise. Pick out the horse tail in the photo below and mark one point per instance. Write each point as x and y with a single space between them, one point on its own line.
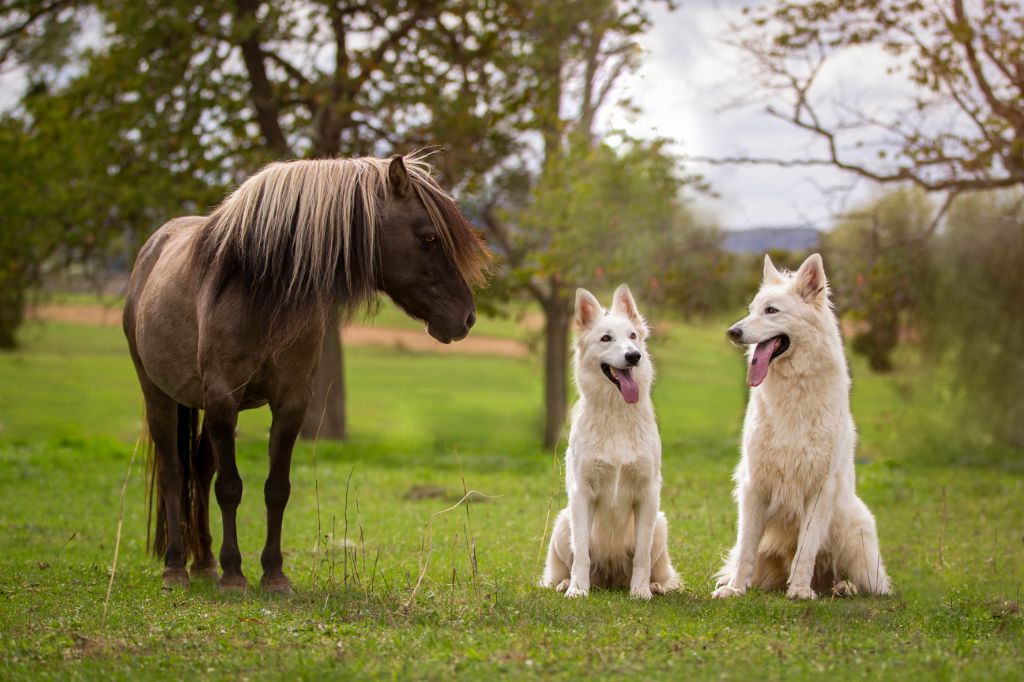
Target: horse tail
188 450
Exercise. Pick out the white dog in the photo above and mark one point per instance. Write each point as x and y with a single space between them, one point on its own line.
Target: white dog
801 524
612 534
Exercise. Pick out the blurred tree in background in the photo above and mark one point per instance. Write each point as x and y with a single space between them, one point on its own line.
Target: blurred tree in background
972 309
878 260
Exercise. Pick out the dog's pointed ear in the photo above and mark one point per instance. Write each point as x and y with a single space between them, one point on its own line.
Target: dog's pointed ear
810 279
771 273
588 309
398 177
623 304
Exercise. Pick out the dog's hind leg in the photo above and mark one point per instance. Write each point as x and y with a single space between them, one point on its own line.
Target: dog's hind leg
663 576
559 561
859 560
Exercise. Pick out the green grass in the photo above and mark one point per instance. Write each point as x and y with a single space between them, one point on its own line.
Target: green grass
950 517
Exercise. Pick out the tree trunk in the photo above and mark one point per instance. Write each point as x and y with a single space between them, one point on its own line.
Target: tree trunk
328 400
556 371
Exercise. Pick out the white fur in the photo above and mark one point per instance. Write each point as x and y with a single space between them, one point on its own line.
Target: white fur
800 520
611 534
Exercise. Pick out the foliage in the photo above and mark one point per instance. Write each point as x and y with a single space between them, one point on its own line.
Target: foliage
76 185
596 215
878 264
973 315
689 273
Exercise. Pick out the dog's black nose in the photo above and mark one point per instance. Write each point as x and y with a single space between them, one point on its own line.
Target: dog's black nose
633 357
735 334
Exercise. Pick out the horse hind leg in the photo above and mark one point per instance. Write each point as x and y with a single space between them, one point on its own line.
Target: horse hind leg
204 563
162 417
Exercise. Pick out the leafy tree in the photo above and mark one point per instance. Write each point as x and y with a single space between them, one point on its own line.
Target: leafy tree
690 273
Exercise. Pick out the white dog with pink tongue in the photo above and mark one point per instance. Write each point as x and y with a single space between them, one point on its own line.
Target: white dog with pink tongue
801 526
611 535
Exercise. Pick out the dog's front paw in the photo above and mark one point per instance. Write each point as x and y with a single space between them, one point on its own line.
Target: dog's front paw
844 588
562 586
801 592
575 590
726 591
723 581
641 592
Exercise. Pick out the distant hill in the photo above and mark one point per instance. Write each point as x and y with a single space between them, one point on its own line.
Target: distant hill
763 239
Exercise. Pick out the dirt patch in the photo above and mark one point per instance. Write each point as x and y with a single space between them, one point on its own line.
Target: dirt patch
417 341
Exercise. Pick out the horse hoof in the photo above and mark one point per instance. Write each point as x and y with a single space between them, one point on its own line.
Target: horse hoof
175 578
233 583
278 584
208 572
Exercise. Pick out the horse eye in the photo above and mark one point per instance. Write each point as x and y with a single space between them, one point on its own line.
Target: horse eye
770 310
633 336
606 338
429 238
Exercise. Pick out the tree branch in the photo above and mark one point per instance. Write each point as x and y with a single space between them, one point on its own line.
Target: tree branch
260 91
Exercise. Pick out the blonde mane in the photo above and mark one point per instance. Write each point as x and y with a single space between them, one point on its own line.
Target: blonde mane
302 237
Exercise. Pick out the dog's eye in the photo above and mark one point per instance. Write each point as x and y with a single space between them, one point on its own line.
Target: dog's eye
606 338
770 310
633 336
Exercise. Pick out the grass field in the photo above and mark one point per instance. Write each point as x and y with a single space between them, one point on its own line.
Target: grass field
950 514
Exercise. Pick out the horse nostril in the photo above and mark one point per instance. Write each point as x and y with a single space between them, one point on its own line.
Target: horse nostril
633 357
735 333
471 320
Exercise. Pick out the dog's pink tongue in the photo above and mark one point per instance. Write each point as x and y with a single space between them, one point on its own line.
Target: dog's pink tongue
758 369
627 386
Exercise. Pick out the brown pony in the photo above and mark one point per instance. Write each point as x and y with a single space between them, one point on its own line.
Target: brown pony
227 312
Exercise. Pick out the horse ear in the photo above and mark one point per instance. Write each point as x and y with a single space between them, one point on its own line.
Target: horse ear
771 273
398 177
810 279
588 309
623 304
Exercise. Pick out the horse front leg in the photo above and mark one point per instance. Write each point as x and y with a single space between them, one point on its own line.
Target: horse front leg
221 419
284 429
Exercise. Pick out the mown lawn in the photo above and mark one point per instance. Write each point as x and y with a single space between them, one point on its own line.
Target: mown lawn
950 514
